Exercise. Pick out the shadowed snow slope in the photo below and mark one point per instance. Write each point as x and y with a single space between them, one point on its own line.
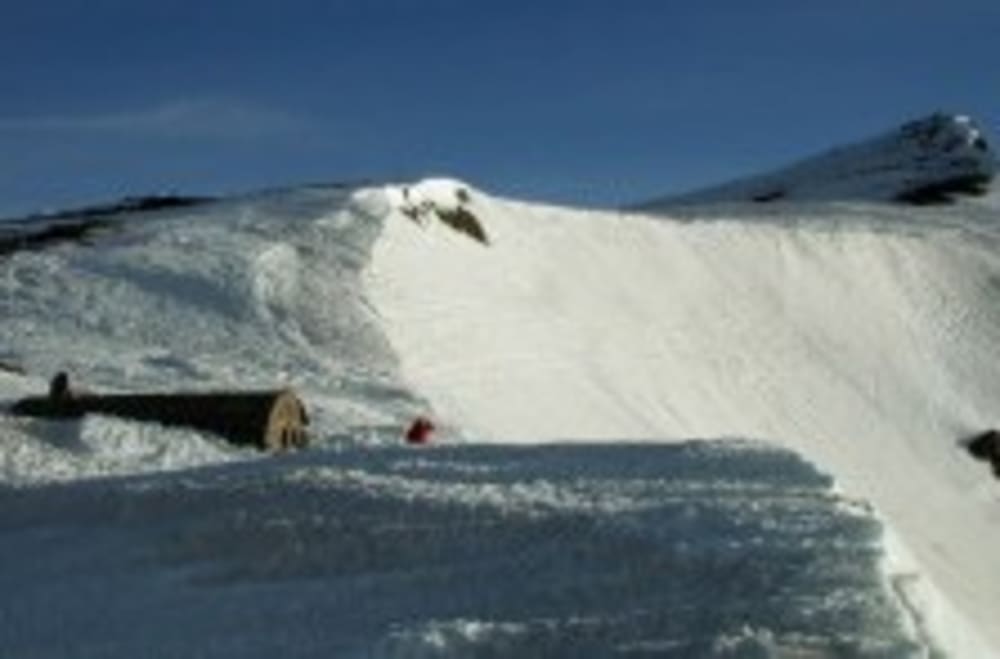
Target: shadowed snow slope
865 337
695 550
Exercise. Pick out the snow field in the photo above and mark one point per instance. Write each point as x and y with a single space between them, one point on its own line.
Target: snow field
861 336
697 549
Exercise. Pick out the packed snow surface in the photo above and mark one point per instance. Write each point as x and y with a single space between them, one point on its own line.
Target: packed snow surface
624 550
856 340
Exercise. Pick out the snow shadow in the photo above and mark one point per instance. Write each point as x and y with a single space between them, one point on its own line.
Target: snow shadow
704 549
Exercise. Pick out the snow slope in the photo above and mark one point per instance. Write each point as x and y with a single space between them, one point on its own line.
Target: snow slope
864 337
857 336
256 292
620 550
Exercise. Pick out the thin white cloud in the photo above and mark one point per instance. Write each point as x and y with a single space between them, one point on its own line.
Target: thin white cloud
206 118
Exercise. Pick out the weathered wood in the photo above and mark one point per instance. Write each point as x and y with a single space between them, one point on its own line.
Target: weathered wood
270 420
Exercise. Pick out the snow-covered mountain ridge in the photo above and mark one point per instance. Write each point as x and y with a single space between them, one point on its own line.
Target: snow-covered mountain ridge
860 336
925 161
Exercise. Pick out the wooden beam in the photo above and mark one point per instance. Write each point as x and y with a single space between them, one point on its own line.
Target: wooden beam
269 420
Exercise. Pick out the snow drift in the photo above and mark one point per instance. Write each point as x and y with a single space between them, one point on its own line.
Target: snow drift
860 335
250 293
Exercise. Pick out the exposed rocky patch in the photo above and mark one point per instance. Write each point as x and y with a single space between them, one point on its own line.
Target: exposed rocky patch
986 447
44 235
944 192
79 226
448 203
462 220
126 205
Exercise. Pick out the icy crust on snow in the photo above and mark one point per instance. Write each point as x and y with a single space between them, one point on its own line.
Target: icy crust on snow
255 292
705 549
862 336
925 161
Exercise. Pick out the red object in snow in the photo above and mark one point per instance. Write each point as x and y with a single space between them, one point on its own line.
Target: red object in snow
420 431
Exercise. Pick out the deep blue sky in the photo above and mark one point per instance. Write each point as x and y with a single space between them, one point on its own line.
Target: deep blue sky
565 100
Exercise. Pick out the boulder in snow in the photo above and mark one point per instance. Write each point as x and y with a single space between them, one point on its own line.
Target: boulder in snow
446 200
986 446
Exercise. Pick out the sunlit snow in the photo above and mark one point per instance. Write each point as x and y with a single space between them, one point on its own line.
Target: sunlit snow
726 431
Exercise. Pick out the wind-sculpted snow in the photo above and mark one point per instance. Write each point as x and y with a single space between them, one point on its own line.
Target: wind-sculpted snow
704 549
257 292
